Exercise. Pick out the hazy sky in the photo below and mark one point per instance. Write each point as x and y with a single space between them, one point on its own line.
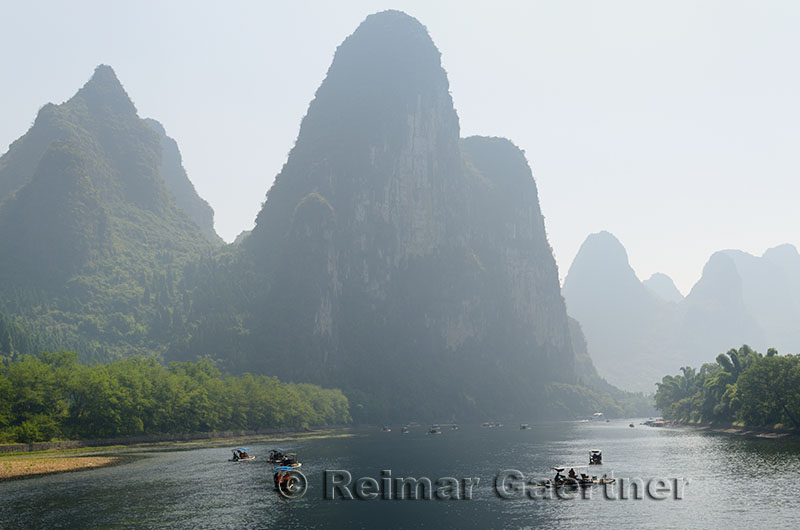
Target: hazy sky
674 125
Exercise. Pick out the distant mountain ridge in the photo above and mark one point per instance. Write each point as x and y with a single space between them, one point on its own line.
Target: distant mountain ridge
663 287
617 312
637 338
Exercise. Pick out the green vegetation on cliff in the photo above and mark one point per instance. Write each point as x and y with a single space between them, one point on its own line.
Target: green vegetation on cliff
392 259
93 241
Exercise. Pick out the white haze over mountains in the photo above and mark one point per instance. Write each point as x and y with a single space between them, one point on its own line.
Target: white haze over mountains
673 125
639 331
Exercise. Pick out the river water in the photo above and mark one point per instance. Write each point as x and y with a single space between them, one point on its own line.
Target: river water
723 481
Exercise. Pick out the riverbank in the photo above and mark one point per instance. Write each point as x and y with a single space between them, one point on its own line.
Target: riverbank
28 466
739 430
60 457
154 439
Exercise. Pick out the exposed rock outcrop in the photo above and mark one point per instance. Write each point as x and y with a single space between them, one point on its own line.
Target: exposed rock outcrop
395 260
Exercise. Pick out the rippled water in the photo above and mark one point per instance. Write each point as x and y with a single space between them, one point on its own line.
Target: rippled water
729 481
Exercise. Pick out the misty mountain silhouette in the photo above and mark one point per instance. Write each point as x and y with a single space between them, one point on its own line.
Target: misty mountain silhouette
637 332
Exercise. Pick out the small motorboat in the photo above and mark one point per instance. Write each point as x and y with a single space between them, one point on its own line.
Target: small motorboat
631 425
454 427
240 454
386 428
404 430
566 483
524 427
285 482
435 429
574 480
275 456
595 457
290 460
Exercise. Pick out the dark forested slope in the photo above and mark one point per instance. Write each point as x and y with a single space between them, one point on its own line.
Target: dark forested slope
93 241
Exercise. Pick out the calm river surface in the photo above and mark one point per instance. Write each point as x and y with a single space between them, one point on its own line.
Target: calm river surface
730 481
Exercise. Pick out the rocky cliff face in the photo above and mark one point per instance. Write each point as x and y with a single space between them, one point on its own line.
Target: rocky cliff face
397 261
507 235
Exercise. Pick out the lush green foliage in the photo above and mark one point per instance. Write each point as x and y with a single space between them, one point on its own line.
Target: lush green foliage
93 245
742 387
52 396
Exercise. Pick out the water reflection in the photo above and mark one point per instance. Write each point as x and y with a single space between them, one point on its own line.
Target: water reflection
732 481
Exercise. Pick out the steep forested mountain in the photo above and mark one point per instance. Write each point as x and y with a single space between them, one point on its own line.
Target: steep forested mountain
182 189
392 258
639 331
93 240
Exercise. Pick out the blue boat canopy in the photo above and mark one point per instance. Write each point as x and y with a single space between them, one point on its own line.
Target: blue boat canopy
284 468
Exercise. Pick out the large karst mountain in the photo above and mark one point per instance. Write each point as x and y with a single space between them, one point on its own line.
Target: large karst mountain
394 259
97 219
638 332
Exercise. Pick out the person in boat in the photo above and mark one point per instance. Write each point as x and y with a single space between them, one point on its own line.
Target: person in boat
559 477
572 473
284 480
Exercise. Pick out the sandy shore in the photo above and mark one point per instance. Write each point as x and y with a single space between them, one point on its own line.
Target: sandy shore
20 466
24 465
